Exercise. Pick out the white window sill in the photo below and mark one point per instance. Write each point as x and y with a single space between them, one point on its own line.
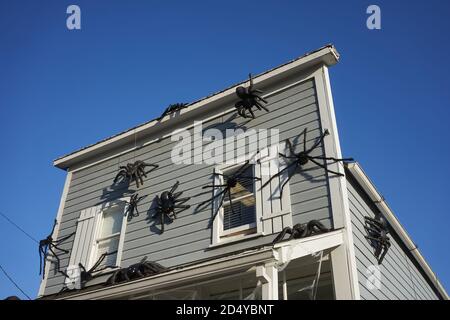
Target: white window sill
235 240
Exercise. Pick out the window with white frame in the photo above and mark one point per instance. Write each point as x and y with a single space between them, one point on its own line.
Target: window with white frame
109 235
239 206
100 230
253 210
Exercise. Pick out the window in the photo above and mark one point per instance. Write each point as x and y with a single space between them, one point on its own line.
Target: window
100 229
239 212
252 210
109 235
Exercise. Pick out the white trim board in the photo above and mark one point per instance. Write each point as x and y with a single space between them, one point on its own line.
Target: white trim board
369 188
62 203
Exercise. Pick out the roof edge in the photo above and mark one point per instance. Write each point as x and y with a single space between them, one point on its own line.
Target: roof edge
327 55
363 180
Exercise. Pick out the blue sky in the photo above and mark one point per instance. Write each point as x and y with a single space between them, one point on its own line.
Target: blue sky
61 90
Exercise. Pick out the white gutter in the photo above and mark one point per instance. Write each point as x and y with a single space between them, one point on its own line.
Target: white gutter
326 55
364 181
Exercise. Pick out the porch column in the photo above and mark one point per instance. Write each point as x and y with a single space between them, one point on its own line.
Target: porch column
268 275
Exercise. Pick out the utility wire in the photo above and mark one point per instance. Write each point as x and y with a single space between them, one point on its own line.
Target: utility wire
14 283
14 224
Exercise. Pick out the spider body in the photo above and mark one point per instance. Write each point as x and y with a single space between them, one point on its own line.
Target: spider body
136 271
377 234
299 159
48 244
134 172
249 98
172 109
169 204
132 210
300 230
230 182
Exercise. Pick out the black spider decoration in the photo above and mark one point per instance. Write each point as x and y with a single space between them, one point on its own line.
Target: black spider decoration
377 234
132 210
301 230
249 98
87 275
173 108
136 271
134 172
48 244
168 203
303 157
230 182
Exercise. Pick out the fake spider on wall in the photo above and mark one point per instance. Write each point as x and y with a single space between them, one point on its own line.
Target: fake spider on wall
172 109
230 181
301 230
134 172
249 98
169 204
300 159
88 275
132 207
136 271
48 244
377 234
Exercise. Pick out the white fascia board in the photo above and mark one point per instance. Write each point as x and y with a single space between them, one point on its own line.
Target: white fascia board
378 200
326 55
295 249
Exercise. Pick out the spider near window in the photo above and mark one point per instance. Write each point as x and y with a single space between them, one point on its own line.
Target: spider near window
48 244
300 159
233 180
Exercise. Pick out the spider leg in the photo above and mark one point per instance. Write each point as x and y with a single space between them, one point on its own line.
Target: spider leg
182 200
319 141
162 222
175 186
41 252
278 174
333 159
326 169
284 183
242 168
261 105
56 256
64 238
281 235
219 206
251 112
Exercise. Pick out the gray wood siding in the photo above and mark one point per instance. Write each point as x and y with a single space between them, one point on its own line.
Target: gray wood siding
187 239
400 278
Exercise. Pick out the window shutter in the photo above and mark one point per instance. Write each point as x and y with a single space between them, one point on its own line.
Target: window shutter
276 211
82 245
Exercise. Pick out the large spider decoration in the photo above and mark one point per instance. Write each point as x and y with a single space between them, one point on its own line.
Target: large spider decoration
377 234
88 275
136 271
230 182
303 157
132 210
168 203
48 244
249 98
301 230
172 109
134 172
